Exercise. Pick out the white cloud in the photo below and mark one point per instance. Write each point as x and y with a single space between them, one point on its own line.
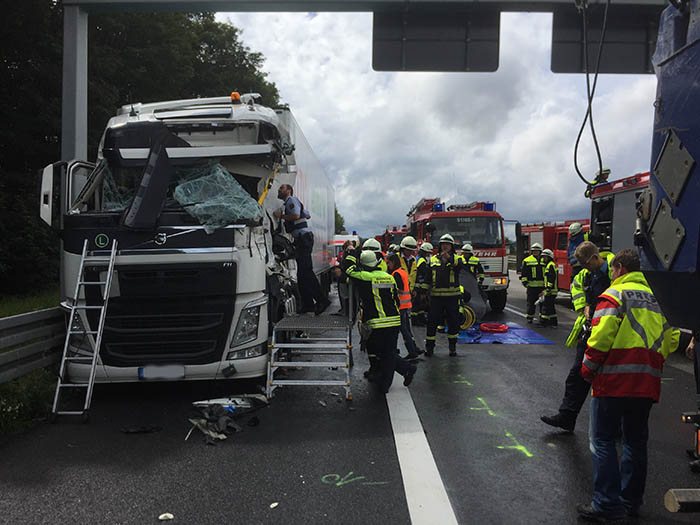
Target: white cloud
388 139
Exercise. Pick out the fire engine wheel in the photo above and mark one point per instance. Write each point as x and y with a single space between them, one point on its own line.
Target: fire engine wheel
497 300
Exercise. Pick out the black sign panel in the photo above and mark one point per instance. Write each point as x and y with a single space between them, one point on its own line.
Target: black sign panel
428 40
630 38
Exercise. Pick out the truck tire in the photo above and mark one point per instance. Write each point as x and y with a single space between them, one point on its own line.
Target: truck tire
497 300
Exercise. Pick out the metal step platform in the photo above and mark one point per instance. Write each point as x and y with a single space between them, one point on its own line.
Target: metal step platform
297 339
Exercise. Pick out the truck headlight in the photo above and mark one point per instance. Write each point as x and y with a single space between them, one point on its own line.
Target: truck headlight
246 353
247 327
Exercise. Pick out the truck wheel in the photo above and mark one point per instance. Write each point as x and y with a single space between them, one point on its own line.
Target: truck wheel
497 300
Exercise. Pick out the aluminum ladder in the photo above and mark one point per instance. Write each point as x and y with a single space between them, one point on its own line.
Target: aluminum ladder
297 349
79 326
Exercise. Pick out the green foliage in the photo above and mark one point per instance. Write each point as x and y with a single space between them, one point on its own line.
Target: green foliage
26 399
339 222
15 305
142 57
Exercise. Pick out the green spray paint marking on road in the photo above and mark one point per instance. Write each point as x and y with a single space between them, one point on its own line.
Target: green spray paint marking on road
462 380
483 407
516 446
338 481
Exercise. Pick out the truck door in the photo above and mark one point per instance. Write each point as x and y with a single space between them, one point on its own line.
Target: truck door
61 186
561 259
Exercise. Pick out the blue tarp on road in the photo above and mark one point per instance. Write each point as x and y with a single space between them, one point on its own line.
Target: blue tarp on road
516 335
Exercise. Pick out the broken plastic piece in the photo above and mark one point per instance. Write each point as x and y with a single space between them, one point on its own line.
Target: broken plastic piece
273 505
165 517
216 199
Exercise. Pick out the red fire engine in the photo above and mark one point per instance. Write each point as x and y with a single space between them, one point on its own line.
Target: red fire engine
477 223
392 235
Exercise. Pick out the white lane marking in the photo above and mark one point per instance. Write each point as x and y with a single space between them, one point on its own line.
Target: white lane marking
514 311
425 492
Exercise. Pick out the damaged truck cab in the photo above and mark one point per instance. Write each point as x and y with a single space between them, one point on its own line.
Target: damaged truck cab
188 190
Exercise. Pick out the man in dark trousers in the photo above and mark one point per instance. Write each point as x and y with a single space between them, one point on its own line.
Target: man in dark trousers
380 314
629 342
295 223
576 389
532 277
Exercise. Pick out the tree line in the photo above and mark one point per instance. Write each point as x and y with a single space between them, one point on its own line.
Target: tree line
132 57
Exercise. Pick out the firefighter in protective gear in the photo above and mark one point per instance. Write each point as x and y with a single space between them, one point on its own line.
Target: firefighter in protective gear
549 313
380 313
421 291
576 237
532 277
578 299
629 342
373 245
444 294
401 278
594 279
408 249
473 263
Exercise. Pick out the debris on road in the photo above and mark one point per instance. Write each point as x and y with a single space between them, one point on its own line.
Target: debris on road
141 429
322 403
216 416
165 517
273 505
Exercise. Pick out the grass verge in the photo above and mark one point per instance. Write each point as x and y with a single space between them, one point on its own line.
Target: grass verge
20 304
25 400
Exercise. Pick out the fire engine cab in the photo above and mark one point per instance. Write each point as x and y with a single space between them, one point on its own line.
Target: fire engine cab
477 223
392 235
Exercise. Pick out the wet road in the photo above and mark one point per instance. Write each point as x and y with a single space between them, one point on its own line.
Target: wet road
324 460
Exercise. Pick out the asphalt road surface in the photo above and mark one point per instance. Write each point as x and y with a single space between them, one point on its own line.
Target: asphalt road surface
463 444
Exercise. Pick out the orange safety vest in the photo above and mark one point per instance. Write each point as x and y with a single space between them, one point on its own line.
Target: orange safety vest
405 292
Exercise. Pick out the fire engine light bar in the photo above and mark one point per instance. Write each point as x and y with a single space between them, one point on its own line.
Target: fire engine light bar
488 206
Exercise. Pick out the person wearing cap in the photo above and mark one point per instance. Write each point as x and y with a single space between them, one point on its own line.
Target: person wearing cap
576 237
392 249
473 263
549 313
532 277
376 290
596 279
421 291
295 219
444 294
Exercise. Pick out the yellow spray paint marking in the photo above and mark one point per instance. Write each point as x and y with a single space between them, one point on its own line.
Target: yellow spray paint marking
515 446
462 380
483 407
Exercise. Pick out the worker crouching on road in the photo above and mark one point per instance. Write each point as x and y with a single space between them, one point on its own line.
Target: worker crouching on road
532 277
549 312
629 342
380 314
402 285
444 294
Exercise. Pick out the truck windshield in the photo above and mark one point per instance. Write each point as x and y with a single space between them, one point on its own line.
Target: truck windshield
481 232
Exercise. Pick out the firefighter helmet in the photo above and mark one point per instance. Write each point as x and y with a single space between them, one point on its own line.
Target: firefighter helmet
426 247
447 238
369 258
409 243
548 253
467 248
535 246
372 244
575 228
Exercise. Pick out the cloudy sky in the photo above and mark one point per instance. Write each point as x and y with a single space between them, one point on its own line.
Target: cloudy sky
388 139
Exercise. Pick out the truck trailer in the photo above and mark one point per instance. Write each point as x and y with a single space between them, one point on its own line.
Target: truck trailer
203 268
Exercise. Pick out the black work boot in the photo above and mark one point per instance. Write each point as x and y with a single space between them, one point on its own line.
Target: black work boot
429 348
453 347
560 421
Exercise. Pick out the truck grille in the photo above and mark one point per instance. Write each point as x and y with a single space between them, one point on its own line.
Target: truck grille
492 264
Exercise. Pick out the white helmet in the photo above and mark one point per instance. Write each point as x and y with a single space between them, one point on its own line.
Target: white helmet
536 246
368 258
467 248
372 244
447 238
575 228
426 247
548 253
409 243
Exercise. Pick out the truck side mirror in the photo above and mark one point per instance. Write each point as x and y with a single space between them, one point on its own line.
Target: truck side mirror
50 195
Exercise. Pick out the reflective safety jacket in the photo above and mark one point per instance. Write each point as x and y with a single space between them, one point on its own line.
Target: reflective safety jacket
444 275
474 266
550 278
377 292
629 341
411 268
532 272
423 275
402 286
578 296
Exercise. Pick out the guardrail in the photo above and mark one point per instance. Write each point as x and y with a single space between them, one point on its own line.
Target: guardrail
30 341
